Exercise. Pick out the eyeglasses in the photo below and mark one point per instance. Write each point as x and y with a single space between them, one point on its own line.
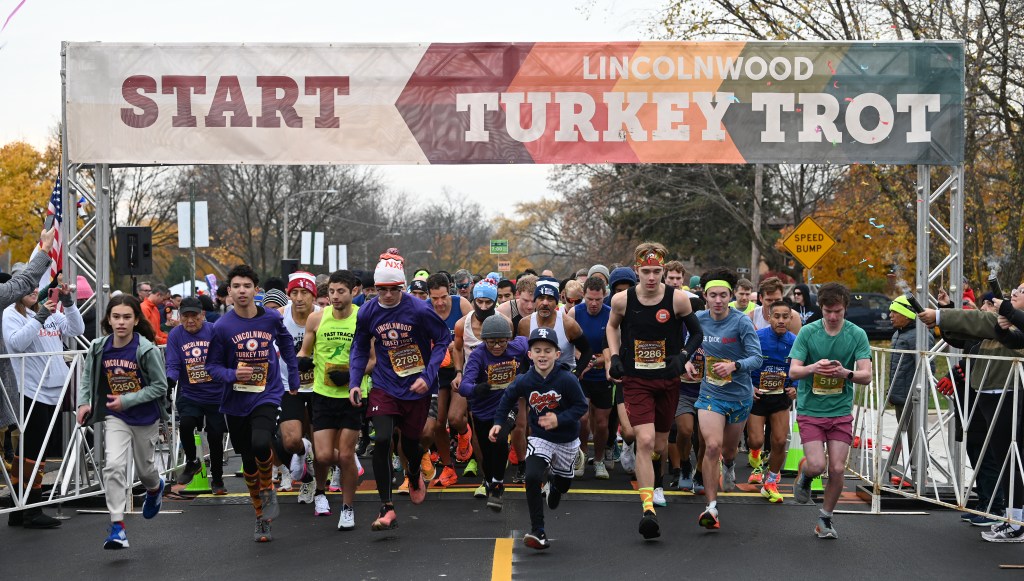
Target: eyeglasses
464 285
798 292
382 290
496 342
569 301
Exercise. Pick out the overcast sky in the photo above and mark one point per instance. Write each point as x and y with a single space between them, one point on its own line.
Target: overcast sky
30 54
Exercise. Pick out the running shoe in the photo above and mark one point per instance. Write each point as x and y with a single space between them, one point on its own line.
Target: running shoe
427 467
649 525
617 450
117 539
286 480
1004 533
434 457
825 530
698 483
363 447
802 486
359 468
471 468
271 508
347 521
262 532
756 476
189 471
754 459
609 457
464 451
729 478
900 482
386 520
494 500
404 488
770 491
154 500
709 519
685 482
335 485
659 497
628 459
601 471
554 495
579 465
218 488
513 458
418 493
447 478
306 492
481 491
321 506
520 476
980 520
536 540
301 464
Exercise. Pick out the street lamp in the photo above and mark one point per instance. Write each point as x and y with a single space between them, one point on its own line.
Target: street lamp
284 253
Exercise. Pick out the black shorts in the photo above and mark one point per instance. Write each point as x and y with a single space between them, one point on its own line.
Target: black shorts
210 412
296 407
445 376
617 394
335 413
599 393
770 404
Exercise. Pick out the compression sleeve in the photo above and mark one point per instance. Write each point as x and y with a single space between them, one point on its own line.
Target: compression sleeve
694 334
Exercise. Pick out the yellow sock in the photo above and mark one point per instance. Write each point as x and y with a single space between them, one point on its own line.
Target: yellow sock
647 498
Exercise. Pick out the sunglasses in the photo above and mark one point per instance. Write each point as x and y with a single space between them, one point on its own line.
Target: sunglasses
798 292
569 301
464 285
383 290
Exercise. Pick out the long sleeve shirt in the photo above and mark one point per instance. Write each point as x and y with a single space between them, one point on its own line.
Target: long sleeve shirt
559 393
41 377
185 358
499 372
411 342
238 339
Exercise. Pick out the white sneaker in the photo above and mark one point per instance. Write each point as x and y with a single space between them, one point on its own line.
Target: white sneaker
628 459
729 478
579 465
347 521
600 471
321 506
286 480
335 485
306 492
659 497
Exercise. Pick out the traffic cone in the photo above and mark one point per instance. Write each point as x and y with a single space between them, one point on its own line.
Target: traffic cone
200 483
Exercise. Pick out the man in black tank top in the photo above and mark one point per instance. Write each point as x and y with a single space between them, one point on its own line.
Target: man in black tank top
644 334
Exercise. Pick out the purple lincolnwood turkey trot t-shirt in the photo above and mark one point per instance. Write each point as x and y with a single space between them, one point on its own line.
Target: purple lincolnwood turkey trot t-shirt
122 375
185 358
251 340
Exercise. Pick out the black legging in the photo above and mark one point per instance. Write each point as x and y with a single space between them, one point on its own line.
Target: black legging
495 454
35 430
384 427
999 445
252 435
535 467
188 426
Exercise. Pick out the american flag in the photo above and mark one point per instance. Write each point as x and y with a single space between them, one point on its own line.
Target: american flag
56 209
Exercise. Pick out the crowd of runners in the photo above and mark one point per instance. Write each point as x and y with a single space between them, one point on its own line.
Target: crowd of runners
536 379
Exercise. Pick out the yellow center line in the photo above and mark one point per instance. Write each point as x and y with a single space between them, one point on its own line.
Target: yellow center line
502 568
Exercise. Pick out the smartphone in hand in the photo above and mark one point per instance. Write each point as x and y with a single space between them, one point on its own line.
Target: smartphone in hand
54 294
48 221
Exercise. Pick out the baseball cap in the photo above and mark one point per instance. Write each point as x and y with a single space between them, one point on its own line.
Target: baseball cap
418 285
544 334
190 305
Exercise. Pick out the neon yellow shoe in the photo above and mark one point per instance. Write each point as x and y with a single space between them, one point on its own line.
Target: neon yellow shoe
754 459
770 491
471 468
756 476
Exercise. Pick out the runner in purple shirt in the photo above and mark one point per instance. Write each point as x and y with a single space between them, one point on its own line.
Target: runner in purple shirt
410 344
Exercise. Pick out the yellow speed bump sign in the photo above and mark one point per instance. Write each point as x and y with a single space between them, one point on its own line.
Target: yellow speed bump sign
808 243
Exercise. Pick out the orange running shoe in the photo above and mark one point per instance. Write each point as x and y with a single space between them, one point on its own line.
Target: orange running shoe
513 458
427 468
756 476
447 478
770 491
404 488
435 457
464 451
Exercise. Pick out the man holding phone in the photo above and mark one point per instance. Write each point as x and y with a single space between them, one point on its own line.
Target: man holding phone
839 355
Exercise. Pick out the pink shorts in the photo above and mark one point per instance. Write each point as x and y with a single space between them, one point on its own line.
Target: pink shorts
814 429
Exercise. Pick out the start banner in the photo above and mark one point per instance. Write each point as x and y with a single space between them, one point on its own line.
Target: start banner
552 103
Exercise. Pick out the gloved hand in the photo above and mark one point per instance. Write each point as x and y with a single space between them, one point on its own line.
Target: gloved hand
676 364
482 389
616 369
43 314
945 386
66 298
338 377
960 375
305 364
508 424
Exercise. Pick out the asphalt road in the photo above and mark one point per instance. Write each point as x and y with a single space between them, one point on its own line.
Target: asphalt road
454 536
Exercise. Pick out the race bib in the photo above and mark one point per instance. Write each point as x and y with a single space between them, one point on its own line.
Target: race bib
822 385
306 378
648 354
328 367
124 382
772 382
710 375
407 360
500 375
258 382
197 373
698 363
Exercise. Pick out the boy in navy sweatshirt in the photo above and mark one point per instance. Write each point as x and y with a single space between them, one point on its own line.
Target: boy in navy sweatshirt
556 403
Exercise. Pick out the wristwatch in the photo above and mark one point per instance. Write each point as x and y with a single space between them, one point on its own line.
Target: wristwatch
849 376
737 364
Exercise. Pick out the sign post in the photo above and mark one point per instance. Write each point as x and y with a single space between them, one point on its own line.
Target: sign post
808 243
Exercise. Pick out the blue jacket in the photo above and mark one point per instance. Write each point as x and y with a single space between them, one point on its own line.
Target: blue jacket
559 392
